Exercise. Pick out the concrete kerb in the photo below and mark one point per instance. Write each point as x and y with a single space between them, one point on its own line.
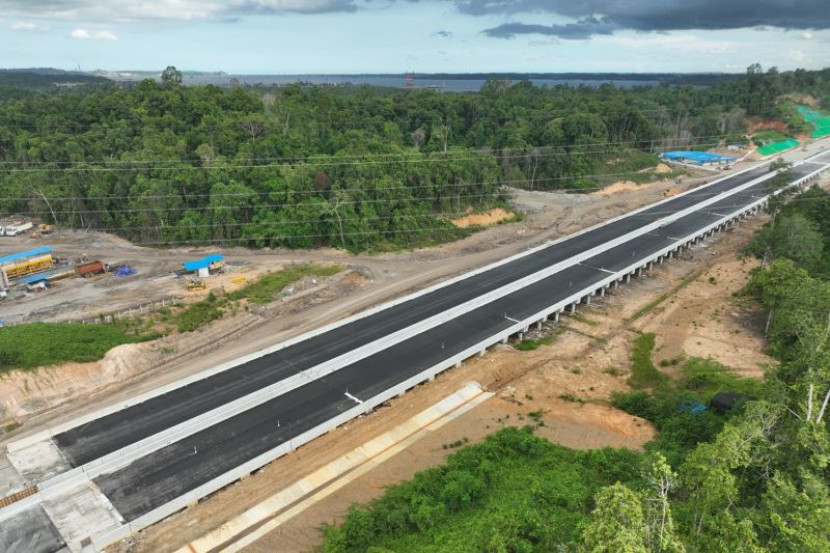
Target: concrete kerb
468 396
25 441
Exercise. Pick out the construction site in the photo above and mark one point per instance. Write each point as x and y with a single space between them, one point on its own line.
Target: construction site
88 277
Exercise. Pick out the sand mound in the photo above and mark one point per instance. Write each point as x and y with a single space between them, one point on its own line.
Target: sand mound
492 217
617 187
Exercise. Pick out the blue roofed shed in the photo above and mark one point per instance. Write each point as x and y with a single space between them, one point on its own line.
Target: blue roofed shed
24 255
34 278
204 263
697 158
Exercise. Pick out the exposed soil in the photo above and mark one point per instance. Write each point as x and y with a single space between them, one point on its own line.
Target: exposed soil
547 216
489 218
588 360
569 381
617 187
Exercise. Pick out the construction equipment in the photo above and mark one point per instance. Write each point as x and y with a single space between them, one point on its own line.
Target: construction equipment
31 265
20 228
88 269
195 284
42 230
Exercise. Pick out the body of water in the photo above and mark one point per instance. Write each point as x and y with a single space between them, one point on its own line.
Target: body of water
449 85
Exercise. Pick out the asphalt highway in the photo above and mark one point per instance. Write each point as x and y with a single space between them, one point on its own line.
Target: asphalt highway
159 477
122 428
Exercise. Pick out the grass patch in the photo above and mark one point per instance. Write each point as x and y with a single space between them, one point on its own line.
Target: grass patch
198 314
643 372
583 319
29 346
265 288
530 345
668 407
648 308
613 371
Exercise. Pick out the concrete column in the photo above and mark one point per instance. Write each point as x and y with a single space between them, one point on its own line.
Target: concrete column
602 292
539 325
640 272
671 254
525 329
556 317
628 278
482 352
660 260
432 378
573 308
504 340
458 365
588 299
616 284
521 337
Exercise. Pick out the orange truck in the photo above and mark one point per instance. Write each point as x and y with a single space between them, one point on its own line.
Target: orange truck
88 269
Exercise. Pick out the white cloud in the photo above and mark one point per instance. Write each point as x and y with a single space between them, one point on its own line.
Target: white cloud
83 34
547 41
679 43
182 10
808 36
27 27
798 56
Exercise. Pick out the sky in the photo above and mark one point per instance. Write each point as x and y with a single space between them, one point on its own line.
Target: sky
276 37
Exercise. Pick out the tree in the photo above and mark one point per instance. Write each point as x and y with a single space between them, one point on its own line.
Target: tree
660 531
171 76
617 524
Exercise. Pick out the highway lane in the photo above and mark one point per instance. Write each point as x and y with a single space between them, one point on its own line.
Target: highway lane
170 472
112 432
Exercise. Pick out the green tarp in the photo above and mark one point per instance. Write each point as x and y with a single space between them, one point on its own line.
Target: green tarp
821 122
778 147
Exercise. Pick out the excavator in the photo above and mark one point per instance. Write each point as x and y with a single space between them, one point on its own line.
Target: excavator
195 284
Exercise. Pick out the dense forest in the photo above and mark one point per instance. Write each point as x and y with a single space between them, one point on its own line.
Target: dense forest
358 168
753 479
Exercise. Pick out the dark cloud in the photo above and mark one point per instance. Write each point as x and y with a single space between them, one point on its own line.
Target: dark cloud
443 34
581 30
605 16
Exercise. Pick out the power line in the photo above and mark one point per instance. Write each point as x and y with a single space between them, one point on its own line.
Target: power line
257 206
404 188
102 165
495 193
344 219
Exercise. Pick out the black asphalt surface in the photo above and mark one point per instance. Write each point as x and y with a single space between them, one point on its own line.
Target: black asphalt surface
174 470
117 430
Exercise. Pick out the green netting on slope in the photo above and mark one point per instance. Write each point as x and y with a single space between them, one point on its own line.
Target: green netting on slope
822 128
821 122
777 147
810 115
